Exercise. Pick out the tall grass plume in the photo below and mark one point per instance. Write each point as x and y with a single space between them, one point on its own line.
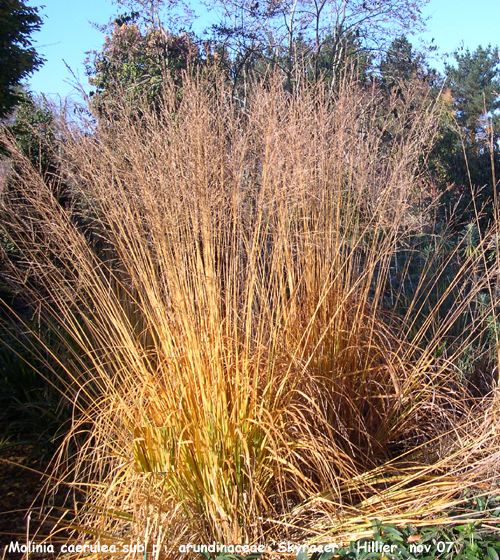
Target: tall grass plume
232 275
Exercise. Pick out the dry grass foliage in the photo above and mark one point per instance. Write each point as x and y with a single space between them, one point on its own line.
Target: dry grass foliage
222 272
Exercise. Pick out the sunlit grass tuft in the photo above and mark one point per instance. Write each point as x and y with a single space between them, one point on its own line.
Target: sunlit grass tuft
222 289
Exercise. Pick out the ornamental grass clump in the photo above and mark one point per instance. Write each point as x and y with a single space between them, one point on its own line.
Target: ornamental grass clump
224 273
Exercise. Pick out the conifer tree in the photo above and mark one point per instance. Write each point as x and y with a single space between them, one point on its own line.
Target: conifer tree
18 58
475 86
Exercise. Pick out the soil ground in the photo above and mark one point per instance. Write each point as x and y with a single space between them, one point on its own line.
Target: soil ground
21 499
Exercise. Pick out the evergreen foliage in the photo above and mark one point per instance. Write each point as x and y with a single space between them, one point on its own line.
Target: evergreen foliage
33 129
401 63
138 60
475 86
467 144
18 58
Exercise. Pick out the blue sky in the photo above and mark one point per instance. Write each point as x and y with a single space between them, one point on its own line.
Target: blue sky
67 33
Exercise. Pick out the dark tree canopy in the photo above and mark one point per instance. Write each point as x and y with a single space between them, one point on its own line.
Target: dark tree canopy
467 143
400 63
475 86
137 59
18 58
33 129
